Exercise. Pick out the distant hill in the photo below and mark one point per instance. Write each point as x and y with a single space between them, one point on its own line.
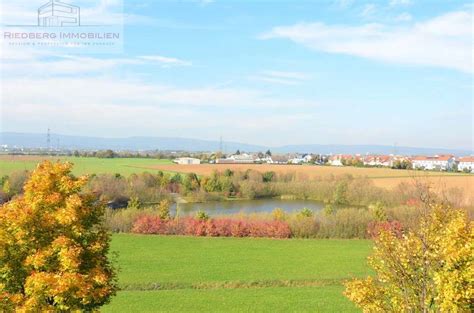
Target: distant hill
26 140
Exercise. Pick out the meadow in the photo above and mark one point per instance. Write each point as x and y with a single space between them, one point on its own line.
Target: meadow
82 165
191 274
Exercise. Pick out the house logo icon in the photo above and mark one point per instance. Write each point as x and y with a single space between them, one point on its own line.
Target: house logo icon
59 14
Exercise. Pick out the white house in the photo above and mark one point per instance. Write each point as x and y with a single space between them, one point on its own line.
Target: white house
297 160
243 158
466 164
265 159
308 158
187 161
437 162
378 160
336 160
280 159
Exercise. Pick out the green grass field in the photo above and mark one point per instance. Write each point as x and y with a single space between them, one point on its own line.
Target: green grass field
191 274
125 166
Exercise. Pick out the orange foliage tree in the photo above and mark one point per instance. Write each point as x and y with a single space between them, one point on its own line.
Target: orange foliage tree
53 247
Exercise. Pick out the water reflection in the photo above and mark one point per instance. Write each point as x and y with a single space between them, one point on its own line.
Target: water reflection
247 206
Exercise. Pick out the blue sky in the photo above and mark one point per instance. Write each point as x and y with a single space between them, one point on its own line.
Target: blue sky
261 72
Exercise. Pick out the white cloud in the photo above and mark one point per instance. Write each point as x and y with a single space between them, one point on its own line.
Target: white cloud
404 17
281 77
20 62
399 2
369 10
344 4
289 75
165 61
107 90
111 106
206 2
444 41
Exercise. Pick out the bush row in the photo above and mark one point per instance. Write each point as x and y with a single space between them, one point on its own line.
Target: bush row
328 223
219 227
345 223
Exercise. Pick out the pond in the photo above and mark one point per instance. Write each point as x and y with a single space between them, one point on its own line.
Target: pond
247 206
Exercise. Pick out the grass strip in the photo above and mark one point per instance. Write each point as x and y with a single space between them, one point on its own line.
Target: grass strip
232 285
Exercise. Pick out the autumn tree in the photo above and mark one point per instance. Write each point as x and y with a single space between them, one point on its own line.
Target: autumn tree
426 269
53 247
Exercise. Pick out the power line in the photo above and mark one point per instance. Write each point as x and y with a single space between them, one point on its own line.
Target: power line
48 140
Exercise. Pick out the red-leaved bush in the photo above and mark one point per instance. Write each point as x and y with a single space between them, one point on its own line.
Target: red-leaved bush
219 227
148 224
413 202
374 228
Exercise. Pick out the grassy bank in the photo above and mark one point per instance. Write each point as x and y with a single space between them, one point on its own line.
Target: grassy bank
305 299
183 274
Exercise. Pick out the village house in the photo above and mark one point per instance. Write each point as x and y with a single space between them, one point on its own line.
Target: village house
266 159
437 162
337 160
307 158
280 159
300 159
187 161
243 158
466 164
378 160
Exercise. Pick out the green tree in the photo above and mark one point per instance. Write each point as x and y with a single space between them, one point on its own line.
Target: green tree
133 203
340 194
192 182
164 209
212 183
378 211
328 210
107 154
228 173
305 212
13 184
176 179
53 246
268 176
202 215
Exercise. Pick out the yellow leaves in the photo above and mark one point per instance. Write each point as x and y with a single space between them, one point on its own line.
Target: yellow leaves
99 277
71 211
366 294
54 249
38 259
426 268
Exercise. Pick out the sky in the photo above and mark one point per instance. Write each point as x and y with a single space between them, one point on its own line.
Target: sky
259 72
